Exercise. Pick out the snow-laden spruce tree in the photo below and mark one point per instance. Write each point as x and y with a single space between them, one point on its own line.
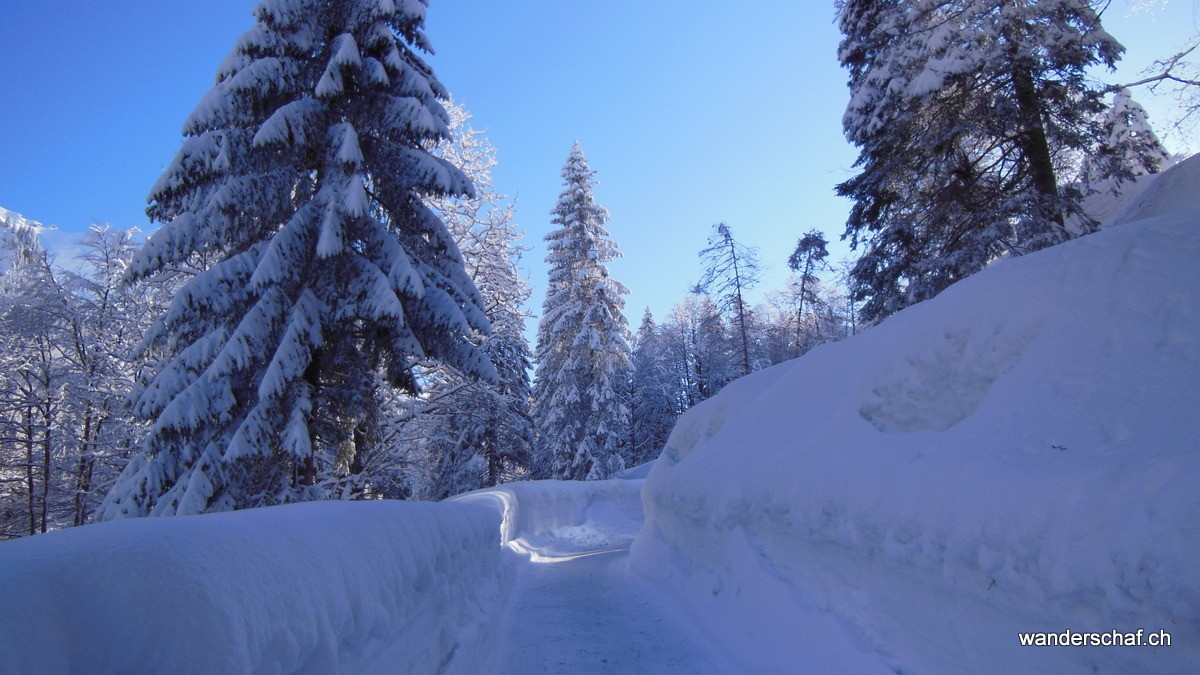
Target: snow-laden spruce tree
1130 147
581 384
301 179
653 395
964 111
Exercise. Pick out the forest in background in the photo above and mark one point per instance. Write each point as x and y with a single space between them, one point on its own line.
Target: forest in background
980 138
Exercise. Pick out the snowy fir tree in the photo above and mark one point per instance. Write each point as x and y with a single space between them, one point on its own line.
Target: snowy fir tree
476 433
581 384
301 177
964 112
653 395
1130 147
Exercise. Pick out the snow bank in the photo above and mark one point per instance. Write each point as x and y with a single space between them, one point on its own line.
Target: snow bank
640 471
321 587
548 518
1018 454
1176 190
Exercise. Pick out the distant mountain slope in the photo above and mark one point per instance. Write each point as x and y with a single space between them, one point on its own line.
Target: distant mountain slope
19 238
1020 453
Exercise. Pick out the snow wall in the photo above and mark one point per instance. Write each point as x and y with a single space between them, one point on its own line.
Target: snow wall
545 516
1021 453
321 587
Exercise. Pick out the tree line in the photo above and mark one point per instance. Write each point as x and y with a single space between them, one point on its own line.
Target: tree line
85 346
332 308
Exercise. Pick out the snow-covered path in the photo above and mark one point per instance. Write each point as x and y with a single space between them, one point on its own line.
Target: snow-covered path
585 612
575 605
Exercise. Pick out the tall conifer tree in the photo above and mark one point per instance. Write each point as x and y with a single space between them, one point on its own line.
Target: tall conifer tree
964 111
301 175
583 368
1130 147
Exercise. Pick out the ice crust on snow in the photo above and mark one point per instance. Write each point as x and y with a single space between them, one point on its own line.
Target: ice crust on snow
319 587
1018 454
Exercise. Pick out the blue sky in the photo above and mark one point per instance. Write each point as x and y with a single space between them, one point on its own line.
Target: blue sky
691 111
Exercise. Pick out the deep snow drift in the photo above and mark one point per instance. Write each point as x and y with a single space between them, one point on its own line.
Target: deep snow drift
1017 454
388 587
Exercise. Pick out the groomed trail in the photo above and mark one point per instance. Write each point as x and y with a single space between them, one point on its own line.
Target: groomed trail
585 612
575 605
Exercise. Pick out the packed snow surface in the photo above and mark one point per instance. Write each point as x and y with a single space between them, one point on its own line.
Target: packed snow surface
386 587
1017 454
576 607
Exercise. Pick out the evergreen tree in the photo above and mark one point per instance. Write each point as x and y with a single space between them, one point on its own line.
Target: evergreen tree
583 368
1130 147
808 258
654 404
301 176
964 111
731 270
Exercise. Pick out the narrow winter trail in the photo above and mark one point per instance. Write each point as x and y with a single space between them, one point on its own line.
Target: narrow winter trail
584 611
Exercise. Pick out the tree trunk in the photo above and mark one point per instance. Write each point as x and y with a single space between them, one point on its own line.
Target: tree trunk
800 309
741 308
307 472
83 486
30 482
47 457
1036 149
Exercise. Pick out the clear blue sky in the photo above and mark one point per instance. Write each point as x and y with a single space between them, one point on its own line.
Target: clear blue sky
691 111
